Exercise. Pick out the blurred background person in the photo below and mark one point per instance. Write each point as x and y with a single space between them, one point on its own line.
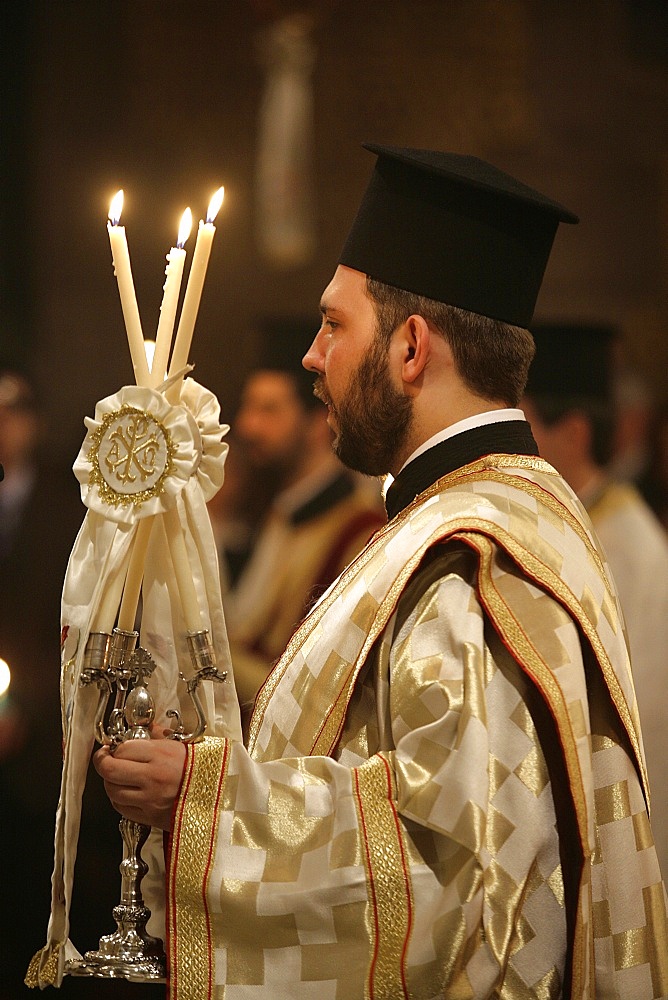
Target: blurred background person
318 515
569 404
39 517
237 510
634 409
653 483
19 437
40 513
640 438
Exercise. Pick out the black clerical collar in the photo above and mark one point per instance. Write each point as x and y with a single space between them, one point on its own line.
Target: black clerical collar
509 437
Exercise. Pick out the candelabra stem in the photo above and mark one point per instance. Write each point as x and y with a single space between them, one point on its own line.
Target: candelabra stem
129 952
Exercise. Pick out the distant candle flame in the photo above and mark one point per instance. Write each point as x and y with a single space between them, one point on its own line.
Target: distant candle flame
184 228
214 204
116 208
5 677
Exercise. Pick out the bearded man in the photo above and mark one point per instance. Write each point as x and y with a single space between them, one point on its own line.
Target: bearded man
444 791
318 517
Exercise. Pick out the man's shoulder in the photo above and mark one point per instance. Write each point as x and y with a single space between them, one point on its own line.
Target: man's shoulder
501 488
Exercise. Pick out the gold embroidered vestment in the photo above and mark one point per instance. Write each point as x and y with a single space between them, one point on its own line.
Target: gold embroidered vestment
443 791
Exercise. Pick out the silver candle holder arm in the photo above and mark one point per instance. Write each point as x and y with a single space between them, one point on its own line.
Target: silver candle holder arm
120 669
204 662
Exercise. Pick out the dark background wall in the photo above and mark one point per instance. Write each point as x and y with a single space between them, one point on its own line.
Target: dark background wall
162 98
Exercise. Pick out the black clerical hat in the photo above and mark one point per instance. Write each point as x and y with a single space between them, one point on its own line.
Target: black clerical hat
573 361
455 229
283 342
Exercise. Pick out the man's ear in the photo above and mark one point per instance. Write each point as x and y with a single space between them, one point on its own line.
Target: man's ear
415 348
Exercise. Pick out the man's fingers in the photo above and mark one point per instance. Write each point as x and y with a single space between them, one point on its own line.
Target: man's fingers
142 778
125 799
139 750
119 768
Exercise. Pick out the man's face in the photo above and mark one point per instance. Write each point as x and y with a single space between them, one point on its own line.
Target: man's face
272 423
369 416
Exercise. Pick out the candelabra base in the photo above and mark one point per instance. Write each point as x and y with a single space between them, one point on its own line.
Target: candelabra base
135 972
128 953
94 964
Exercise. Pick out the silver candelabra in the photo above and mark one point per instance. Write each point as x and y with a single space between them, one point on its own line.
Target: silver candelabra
120 669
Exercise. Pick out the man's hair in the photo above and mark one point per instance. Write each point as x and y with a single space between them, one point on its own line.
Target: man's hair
492 357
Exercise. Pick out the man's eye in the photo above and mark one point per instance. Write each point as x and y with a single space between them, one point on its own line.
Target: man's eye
331 324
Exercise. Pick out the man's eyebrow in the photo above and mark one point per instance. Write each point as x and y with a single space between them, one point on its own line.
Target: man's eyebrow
325 308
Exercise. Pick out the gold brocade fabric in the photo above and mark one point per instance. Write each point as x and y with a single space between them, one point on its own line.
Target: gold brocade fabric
271 599
441 795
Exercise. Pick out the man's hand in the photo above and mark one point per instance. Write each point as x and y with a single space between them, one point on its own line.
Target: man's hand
142 779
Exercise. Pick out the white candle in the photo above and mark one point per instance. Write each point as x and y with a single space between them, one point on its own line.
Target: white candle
135 575
105 617
122 270
200 261
170 299
182 570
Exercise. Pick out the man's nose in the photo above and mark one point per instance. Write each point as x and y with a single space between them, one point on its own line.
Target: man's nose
313 360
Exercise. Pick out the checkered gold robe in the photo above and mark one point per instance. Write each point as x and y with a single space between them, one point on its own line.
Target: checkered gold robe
444 790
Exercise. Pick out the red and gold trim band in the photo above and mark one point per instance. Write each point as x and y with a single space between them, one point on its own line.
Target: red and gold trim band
390 906
189 945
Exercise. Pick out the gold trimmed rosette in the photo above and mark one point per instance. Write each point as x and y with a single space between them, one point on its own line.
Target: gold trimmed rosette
140 452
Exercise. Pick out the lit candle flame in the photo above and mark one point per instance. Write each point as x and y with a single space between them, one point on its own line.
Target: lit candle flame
214 204
184 228
116 208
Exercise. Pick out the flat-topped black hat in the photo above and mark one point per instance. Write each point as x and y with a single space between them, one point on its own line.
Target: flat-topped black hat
572 361
456 229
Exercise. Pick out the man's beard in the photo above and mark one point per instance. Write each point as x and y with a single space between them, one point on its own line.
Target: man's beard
373 419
